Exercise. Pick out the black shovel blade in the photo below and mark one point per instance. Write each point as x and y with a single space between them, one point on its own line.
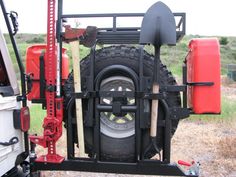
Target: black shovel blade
158 26
89 37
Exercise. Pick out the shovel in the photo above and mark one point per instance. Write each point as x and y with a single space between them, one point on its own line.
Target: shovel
158 28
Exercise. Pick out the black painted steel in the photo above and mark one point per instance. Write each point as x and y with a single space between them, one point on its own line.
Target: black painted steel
90 85
69 131
140 109
200 83
42 81
184 77
158 26
147 167
123 108
125 35
59 40
167 134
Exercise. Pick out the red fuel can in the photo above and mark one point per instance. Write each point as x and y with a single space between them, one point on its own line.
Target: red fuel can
203 66
33 67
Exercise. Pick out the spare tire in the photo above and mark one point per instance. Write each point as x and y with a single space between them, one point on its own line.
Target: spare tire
117 132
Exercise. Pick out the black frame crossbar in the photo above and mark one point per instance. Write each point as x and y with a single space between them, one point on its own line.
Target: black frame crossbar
142 168
125 35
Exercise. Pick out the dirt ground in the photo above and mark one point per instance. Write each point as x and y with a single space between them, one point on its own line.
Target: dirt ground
212 144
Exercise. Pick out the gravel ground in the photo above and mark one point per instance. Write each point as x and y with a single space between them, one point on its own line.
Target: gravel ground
212 144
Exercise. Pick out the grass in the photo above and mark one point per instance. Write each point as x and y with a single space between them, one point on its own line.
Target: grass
37 115
172 57
228 112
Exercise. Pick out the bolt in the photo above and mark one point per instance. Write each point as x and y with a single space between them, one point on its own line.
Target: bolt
32 155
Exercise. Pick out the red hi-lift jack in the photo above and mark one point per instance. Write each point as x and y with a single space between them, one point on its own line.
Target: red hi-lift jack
53 121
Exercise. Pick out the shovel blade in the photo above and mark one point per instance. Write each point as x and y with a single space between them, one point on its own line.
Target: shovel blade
158 26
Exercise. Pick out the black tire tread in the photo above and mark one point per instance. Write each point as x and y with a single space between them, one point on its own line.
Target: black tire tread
107 56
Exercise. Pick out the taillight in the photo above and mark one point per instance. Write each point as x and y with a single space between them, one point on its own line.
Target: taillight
22 119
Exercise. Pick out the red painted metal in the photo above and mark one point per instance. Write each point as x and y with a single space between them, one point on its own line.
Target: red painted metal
53 121
72 34
33 67
181 162
203 65
25 119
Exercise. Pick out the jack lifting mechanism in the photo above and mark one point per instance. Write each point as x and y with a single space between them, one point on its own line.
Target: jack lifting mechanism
146 101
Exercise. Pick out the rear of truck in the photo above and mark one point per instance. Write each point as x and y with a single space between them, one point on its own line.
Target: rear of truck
11 139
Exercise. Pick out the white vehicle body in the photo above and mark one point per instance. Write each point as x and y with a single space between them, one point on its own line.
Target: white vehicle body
8 102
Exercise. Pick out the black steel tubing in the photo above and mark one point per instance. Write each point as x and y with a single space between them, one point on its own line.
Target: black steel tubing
69 131
58 36
121 33
111 15
184 78
97 139
108 108
167 134
141 168
102 15
140 111
90 85
112 38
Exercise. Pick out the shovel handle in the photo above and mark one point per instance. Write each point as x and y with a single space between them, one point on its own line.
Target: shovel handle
154 115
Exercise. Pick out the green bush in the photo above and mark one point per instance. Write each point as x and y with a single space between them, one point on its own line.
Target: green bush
224 41
35 40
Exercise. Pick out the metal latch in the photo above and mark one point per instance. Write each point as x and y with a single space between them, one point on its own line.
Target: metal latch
193 168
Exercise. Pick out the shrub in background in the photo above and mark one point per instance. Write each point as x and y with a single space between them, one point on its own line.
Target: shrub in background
224 41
